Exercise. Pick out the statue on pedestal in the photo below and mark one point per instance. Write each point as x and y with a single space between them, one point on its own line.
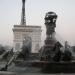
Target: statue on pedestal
51 49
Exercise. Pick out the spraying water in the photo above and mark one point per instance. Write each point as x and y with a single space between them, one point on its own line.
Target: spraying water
58 38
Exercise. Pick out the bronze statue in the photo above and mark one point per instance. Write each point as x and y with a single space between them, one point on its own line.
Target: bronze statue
50 22
26 48
51 49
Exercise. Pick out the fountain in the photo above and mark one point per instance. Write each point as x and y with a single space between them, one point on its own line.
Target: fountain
52 59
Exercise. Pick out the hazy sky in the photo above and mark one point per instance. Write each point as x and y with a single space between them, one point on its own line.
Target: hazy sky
10 14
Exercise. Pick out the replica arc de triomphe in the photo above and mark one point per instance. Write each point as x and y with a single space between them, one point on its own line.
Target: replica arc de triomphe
21 31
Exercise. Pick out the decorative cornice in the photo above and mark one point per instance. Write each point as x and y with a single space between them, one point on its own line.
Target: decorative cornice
27 26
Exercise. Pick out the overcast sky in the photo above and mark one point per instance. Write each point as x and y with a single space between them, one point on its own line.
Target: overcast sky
10 14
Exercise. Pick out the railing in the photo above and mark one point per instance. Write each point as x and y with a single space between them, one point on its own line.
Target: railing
1 56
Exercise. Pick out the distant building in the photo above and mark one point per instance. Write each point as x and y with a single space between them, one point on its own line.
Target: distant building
21 31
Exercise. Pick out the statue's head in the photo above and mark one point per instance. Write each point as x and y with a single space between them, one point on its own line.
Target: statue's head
50 17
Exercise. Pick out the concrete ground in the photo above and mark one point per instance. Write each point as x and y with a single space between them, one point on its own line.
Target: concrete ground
14 70
13 73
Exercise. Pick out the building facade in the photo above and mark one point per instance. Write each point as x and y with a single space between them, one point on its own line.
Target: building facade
22 31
